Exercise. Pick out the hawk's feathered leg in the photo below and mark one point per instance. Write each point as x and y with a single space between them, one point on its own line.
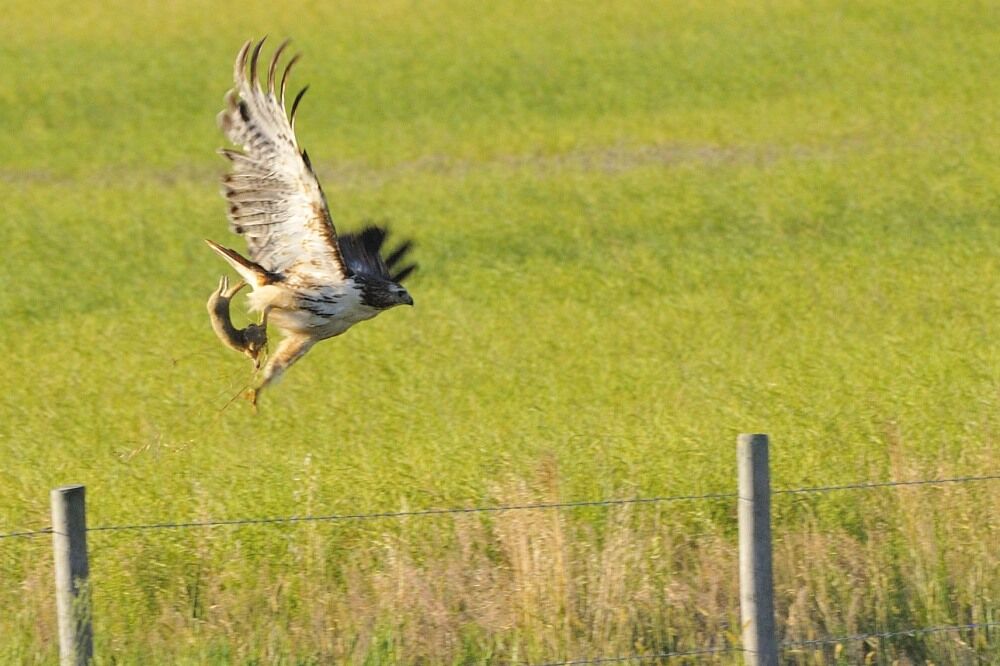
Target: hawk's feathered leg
291 349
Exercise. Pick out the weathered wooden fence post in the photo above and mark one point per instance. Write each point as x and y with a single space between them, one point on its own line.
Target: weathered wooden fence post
756 580
69 541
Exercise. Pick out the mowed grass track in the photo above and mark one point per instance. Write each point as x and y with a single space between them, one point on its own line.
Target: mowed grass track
642 229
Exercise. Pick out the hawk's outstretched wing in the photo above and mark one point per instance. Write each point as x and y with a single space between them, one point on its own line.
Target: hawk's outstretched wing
275 200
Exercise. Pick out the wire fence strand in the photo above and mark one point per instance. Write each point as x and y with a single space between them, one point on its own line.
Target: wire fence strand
416 513
28 533
641 657
790 645
500 509
833 640
868 485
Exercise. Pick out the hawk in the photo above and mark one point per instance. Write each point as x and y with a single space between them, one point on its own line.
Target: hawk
307 281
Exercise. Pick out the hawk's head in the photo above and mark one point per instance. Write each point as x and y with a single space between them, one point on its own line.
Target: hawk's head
380 288
382 294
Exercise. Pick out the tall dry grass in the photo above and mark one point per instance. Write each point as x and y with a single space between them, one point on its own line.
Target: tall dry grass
545 585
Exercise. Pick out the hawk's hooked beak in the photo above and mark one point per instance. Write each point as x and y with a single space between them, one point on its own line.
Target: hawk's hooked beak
402 296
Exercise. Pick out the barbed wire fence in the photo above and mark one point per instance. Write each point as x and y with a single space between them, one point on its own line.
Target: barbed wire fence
783 647
69 532
501 509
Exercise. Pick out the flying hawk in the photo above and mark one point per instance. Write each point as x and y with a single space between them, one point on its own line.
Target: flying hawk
308 282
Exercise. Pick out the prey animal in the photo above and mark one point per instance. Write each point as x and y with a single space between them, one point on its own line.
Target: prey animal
308 282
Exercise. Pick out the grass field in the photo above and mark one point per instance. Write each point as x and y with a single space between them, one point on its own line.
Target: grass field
643 228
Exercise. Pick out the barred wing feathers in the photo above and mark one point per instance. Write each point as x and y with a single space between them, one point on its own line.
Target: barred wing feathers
275 200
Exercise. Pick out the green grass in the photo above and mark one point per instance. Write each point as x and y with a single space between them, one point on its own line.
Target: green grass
642 229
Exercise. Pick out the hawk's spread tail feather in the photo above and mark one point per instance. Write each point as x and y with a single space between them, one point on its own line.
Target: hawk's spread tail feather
253 273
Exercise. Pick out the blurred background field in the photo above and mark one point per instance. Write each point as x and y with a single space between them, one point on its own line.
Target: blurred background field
642 227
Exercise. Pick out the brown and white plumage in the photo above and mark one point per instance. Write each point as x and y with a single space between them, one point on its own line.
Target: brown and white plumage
309 283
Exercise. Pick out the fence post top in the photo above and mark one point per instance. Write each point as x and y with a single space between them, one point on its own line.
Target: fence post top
65 490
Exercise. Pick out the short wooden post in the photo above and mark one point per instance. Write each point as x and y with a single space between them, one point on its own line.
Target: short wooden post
756 580
69 541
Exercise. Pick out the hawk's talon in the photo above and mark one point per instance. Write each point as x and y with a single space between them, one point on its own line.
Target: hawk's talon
251 397
255 338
